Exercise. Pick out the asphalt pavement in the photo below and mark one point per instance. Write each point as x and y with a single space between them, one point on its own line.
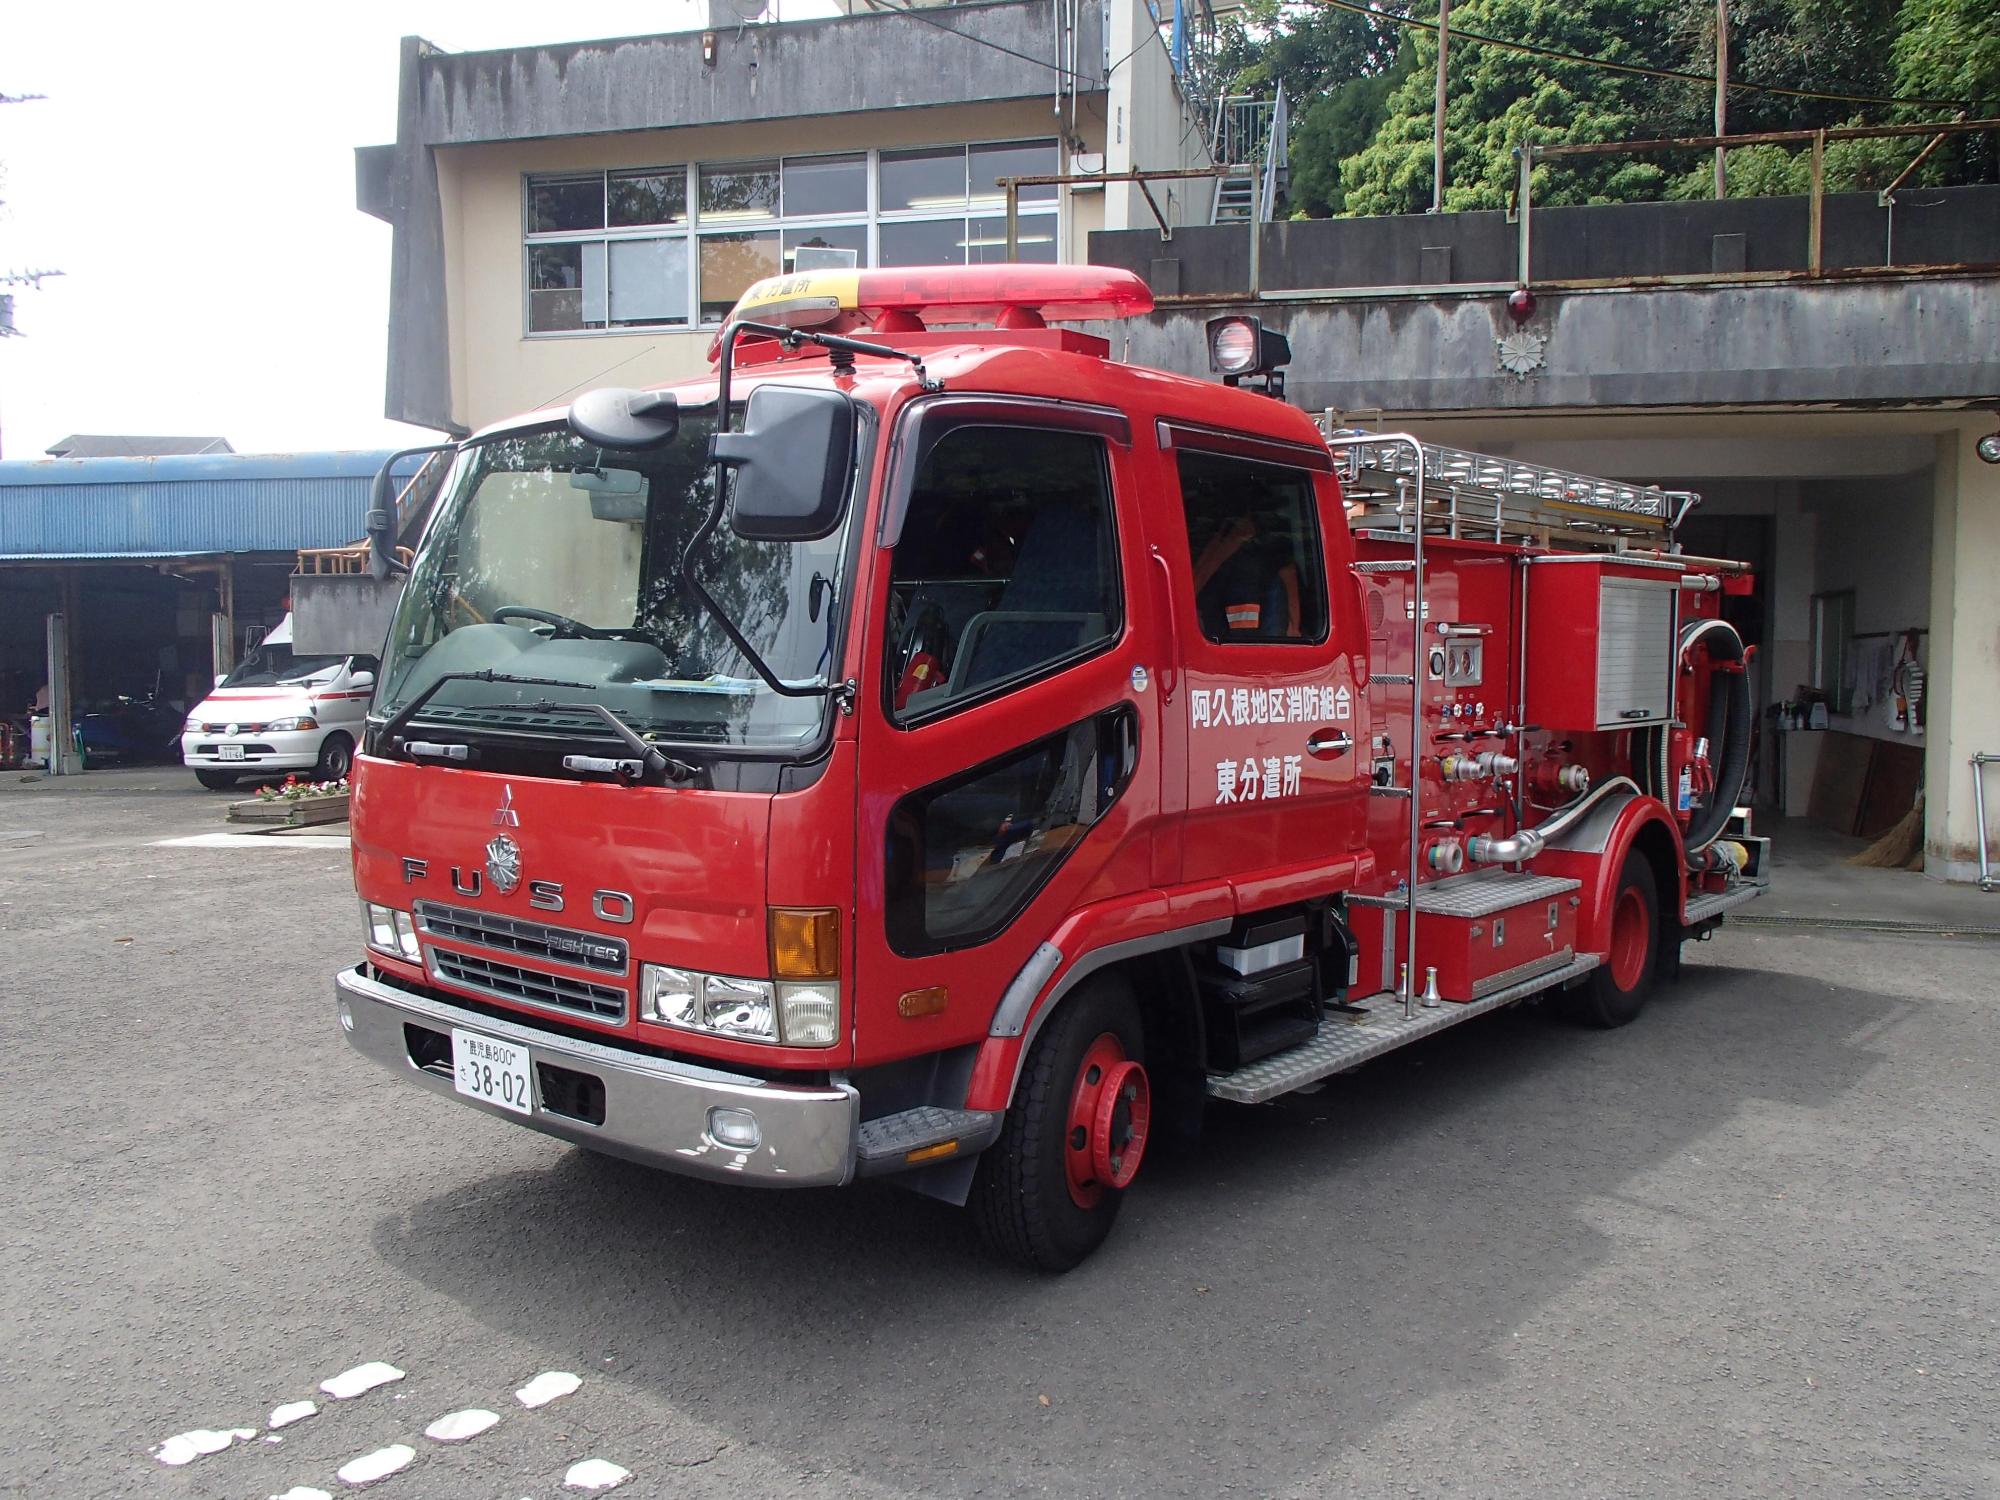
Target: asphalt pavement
1743 1247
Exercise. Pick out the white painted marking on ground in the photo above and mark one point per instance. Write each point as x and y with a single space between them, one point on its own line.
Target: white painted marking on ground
547 1387
351 1383
595 1474
290 1412
254 841
373 1466
457 1426
185 1447
303 1492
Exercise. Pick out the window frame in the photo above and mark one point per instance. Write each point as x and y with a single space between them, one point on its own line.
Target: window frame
927 423
689 229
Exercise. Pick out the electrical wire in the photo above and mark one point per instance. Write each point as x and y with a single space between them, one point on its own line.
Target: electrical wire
1672 75
918 15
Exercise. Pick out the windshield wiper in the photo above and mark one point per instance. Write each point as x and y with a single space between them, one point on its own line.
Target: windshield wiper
653 761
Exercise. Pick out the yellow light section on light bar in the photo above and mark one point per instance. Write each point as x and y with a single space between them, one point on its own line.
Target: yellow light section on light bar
803 299
805 943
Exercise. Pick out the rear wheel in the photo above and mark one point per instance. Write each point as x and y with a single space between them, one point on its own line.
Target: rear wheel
1049 1189
1617 989
336 758
216 781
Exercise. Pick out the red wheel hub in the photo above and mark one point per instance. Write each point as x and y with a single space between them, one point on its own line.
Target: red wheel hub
1110 1111
1631 925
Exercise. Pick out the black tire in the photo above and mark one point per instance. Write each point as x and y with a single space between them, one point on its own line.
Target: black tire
1021 1197
336 758
1617 989
216 781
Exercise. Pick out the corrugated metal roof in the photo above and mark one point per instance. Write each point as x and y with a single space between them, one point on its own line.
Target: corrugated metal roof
132 445
182 505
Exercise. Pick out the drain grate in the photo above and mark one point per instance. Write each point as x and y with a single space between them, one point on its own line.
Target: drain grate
1871 924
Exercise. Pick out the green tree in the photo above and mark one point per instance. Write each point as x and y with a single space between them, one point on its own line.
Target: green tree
1333 127
1496 100
1949 49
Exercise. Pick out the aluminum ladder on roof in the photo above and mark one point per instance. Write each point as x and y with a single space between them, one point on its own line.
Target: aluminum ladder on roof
1477 497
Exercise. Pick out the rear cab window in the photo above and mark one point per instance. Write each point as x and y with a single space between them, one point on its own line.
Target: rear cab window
1254 542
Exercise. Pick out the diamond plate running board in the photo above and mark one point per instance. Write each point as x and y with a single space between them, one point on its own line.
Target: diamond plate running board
1343 1044
1701 908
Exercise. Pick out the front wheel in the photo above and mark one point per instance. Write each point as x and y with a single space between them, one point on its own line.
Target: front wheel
1049 1189
336 758
1616 990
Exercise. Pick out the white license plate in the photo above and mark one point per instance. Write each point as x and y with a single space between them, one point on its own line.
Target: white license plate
491 1072
229 752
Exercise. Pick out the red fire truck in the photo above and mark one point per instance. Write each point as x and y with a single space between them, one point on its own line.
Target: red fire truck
933 747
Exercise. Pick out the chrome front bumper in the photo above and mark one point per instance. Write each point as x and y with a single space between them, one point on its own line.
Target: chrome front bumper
655 1111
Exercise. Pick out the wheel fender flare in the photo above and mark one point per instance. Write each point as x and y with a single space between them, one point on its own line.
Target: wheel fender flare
1594 852
1088 940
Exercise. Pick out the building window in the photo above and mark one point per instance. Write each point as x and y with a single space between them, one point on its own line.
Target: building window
597 256
671 246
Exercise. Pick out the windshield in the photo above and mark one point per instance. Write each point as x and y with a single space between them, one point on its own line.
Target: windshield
557 560
271 664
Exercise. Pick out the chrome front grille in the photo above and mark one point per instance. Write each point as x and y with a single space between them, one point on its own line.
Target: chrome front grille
510 982
485 929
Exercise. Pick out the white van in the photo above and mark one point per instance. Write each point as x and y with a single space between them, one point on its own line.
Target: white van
280 712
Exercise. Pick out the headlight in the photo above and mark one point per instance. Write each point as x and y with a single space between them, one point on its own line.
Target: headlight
282 726
193 726
391 932
752 1010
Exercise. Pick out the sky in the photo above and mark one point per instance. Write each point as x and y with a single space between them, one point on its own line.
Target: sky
191 172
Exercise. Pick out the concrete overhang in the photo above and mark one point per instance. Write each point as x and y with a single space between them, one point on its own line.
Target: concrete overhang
1926 341
960 54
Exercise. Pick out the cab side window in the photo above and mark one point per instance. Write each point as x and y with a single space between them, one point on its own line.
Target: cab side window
1253 535
1006 570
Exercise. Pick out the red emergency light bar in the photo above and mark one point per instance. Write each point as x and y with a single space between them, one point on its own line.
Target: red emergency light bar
907 299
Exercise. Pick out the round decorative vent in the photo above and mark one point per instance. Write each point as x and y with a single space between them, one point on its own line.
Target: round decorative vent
1374 610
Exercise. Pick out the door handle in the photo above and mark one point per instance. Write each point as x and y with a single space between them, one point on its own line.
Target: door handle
1330 742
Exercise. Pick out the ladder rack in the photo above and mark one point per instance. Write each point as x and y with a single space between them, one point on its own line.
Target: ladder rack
1475 496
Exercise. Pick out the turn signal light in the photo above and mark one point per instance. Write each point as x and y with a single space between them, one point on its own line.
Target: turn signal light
805 943
927 1002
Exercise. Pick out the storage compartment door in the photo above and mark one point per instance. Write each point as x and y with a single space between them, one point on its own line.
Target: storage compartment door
1635 652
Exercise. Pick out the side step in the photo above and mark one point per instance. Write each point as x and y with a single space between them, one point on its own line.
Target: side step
1701 908
1343 1044
886 1144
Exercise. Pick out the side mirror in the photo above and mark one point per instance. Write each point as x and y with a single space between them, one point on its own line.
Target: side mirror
618 418
793 460
220 678
361 680
381 519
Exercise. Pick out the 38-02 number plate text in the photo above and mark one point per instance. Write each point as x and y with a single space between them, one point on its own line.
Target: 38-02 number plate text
492 1072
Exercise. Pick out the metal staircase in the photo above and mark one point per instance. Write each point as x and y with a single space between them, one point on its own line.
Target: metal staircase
1252 137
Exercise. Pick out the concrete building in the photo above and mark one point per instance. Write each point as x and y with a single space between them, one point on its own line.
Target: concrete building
577 214
1828 404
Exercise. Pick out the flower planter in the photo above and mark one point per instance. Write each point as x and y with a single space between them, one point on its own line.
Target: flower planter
290 812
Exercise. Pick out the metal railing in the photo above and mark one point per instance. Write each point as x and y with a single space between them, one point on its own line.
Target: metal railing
1242 122
1525 158
1523 212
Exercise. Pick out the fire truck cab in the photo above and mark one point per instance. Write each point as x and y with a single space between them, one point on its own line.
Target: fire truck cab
952 753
